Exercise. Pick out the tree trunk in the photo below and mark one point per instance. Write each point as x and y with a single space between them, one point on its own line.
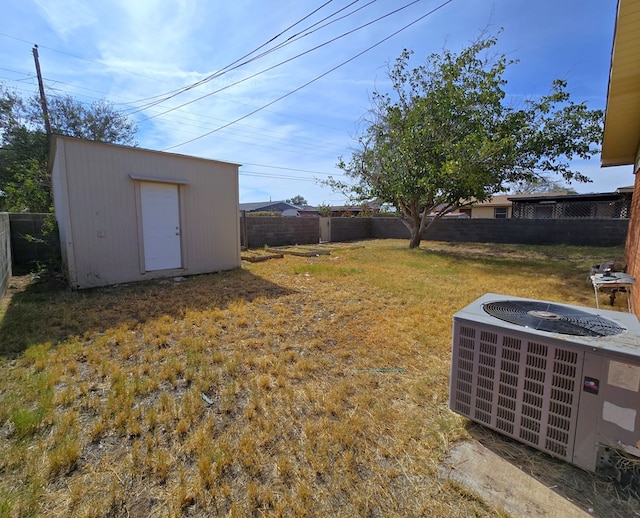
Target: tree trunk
416 237
414 223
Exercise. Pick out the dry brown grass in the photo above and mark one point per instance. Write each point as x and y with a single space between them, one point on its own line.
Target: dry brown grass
293 387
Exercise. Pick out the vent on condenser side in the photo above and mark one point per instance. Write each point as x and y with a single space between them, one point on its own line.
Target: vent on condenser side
522 388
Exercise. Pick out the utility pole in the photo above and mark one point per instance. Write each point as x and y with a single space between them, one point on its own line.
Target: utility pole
43 99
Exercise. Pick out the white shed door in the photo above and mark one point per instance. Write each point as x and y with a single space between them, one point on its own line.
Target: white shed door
160 226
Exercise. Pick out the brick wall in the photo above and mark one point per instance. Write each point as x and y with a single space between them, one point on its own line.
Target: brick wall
632 257
5 253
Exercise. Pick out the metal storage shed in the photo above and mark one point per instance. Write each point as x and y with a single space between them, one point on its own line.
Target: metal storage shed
127 214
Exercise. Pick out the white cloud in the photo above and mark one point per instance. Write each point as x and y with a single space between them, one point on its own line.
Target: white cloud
67 16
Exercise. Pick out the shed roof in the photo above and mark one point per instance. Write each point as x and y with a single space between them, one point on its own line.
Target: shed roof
135 148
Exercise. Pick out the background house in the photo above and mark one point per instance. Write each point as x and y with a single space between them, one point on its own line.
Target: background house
128 214
547 205
621 141
284 208
608 205
280 207
499 206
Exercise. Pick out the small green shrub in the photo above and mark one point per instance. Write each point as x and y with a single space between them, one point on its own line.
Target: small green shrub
26 422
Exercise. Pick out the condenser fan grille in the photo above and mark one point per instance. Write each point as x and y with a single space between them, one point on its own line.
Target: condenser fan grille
552 318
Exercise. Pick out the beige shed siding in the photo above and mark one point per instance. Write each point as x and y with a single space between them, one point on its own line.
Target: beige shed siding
103 227
61 204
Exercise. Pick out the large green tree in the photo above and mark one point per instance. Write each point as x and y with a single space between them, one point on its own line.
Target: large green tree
446 136
25 182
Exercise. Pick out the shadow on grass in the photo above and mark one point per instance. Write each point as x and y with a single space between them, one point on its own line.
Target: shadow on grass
532 253
566 267
46 311
587 490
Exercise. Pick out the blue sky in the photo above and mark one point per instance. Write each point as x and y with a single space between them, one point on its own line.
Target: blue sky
287 135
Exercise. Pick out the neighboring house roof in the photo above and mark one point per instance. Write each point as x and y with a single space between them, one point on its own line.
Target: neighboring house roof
621 128
600 196
345 208
504 200
266 206
287 209
495 201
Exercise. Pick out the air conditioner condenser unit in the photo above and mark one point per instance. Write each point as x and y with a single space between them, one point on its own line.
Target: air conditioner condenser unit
563 379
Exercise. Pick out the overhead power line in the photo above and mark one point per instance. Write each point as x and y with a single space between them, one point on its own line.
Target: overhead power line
233 65
292 169
315 78
332 40
304 32
304 142
277 176
303 145
167 95
193 117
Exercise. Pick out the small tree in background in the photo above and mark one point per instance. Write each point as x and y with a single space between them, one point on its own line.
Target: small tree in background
25 181
446 138
98 121
325 210
540 184
297 200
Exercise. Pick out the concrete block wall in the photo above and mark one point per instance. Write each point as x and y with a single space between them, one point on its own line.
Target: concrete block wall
388 228
280 231
579 232
273 231
5 252
351 229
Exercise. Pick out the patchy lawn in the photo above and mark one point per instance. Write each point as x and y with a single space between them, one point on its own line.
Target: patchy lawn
304 386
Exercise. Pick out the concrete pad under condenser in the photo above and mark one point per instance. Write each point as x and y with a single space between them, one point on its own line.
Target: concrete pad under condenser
503 485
